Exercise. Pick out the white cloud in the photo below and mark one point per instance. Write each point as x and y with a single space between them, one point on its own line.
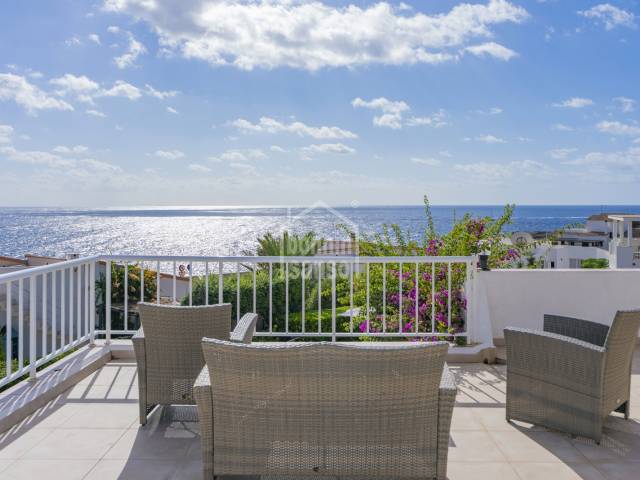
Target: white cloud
113 29
159 94
122 89
84 89
327 148
196 167
80 86
35 75
244 169
270 125
445 153
490 111
492 49
172 110
628 158
618 128
169 154
489 139
561 127
76 149
430 162
239 155
436 120
524 139
30 97
610 15
500 172
277 149
393 112
98 166
6 132
627 105
561 153
95 113
314 35
45 159
575 102
134 50
72 42
95 38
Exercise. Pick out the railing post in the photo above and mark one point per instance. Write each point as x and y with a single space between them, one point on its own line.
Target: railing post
92 304
333 302
33 288
474 299
9 330
107 303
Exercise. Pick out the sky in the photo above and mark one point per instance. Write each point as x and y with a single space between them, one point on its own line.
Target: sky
290 102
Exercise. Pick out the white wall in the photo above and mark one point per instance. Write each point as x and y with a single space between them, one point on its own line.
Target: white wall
561 255
624 257
520 298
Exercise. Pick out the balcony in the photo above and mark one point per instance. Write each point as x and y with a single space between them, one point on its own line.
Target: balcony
78 417
91 431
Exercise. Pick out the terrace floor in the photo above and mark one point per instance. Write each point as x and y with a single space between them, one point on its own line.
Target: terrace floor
91 432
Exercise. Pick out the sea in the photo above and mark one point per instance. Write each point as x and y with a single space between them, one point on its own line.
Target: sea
235 230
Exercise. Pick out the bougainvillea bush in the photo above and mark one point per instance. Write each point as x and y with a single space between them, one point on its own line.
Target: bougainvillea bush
422 305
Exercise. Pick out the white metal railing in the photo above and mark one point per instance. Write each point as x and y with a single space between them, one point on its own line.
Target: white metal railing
53 310
64 310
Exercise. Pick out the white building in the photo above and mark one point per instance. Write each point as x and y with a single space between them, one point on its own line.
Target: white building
624 248
606 236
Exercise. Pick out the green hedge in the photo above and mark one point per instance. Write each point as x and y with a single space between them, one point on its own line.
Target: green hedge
229 294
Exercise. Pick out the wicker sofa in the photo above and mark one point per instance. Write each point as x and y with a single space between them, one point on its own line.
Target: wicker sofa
168 351
573 374
322 409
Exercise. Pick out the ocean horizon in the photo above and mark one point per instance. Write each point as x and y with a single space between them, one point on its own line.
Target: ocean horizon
234 230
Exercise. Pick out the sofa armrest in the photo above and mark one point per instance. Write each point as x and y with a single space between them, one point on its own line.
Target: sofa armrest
204 402
592 332
556 359
243 333
446 401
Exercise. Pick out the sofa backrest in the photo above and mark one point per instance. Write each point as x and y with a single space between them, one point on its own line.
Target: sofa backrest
332 409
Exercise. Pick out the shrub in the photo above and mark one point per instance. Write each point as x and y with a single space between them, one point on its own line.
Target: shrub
595 263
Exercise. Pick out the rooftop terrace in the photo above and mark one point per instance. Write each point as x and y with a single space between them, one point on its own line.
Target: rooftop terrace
78 418
91 431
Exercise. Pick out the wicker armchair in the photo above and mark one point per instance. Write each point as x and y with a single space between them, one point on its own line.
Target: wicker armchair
325 409
169 353
572 375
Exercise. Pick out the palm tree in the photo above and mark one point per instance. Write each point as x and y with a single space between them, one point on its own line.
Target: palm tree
288 245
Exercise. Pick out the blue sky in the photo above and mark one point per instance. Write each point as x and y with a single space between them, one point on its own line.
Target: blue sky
228 102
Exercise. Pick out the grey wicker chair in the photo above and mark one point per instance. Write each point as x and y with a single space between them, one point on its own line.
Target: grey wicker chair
169 353
572 375
322 409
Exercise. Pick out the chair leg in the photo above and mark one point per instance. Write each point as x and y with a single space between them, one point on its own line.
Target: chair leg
143 413
624 409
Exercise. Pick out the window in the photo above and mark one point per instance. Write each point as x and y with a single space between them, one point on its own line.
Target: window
553 264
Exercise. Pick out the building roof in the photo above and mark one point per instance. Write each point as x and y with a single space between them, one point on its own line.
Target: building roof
603 217
11 261
337 247
586 233
621 217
